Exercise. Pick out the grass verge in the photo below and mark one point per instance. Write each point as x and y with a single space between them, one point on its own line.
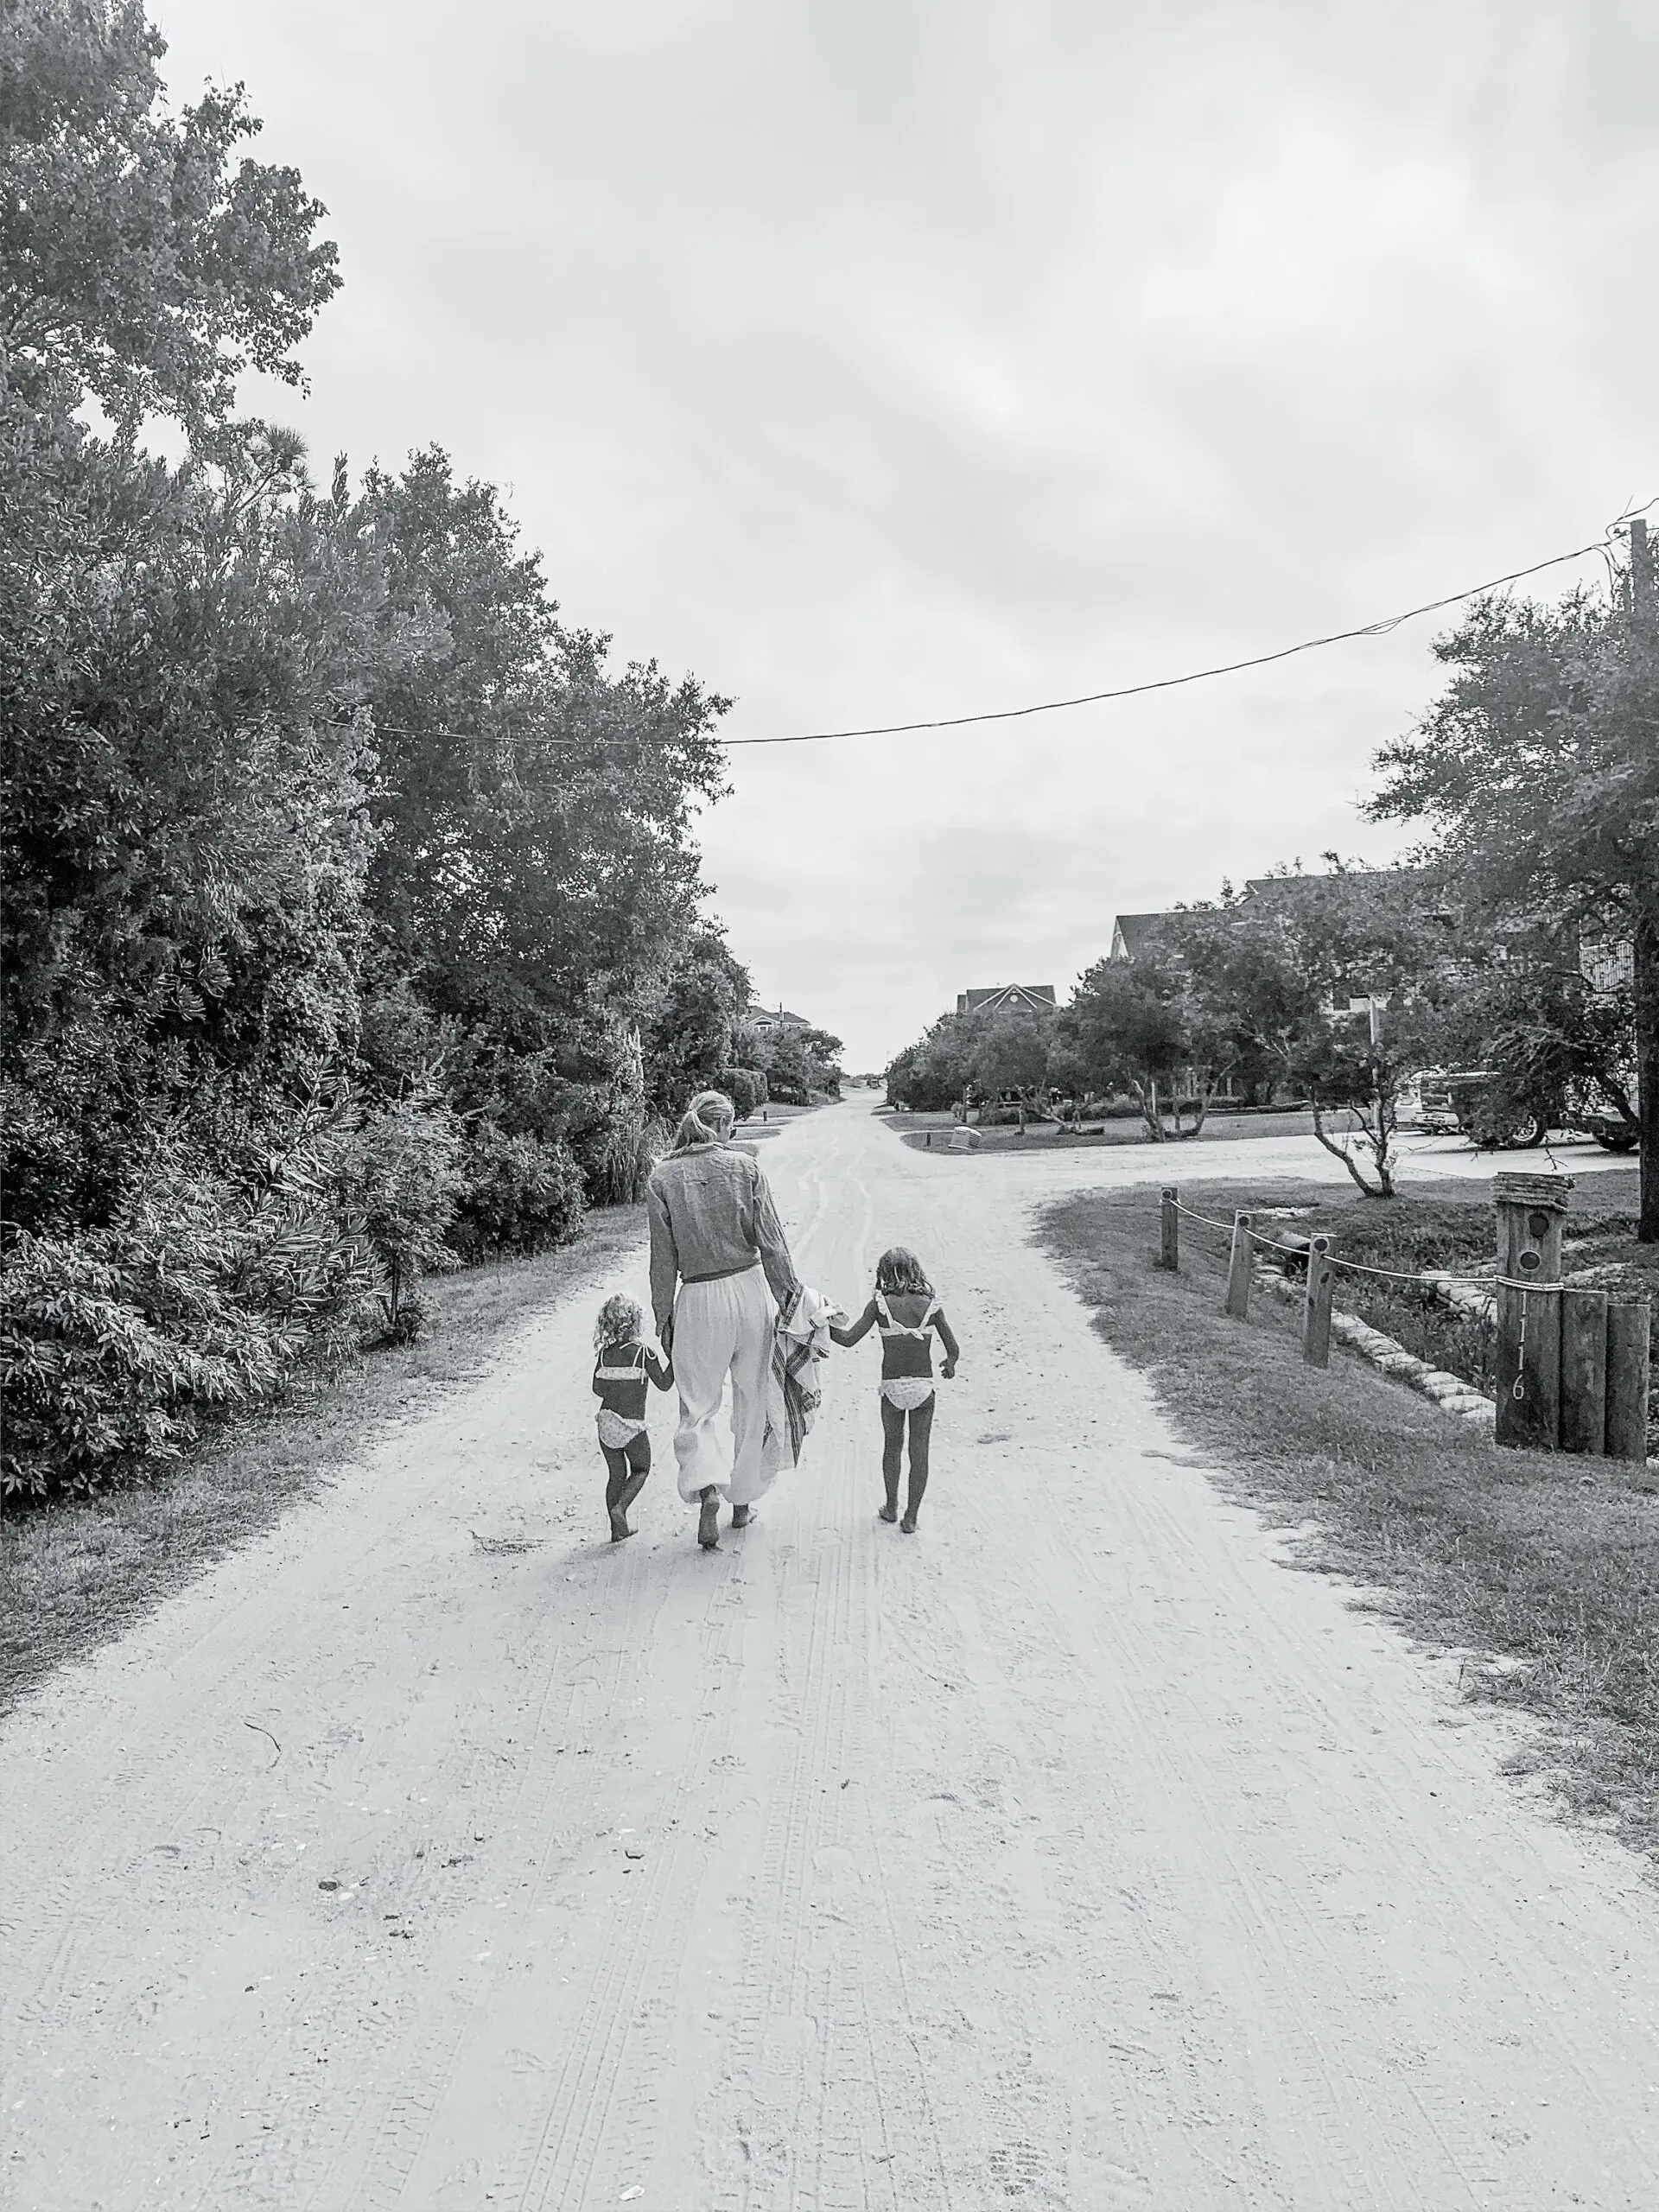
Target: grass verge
1547 1567
75 1574
929 1132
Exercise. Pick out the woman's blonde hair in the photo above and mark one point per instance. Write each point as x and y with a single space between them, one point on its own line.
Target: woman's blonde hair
707 1120
899 1272
620 1319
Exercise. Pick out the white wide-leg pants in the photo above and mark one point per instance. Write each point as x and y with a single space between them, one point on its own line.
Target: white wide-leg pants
724 1328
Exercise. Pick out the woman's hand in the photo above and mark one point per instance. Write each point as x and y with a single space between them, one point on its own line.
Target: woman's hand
665 1338
948 1369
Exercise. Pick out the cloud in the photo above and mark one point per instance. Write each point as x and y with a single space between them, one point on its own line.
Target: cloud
882 361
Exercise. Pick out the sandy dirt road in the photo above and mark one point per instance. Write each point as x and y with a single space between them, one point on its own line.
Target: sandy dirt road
434 1854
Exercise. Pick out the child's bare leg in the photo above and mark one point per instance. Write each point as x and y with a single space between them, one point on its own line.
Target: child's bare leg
921 1432
616 1471
893 1445
636 1460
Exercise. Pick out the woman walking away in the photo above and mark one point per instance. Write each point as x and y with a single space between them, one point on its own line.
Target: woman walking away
715 1229
904 1309
622 1366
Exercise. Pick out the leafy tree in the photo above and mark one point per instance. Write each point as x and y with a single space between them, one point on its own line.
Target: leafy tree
1338 980
934 1072
137 264
697 1016
824 1059
535 880
1554 1045
352 915
1537 771
537 860
1244 988
183 817
1124 1029
796 1062
1010 1054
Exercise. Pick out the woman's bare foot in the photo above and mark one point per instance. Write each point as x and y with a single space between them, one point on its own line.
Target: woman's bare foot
619 1530
742 1516
886 1513
708 1521
907 1526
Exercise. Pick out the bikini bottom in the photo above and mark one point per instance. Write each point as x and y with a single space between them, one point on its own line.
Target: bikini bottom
907 1392
616 1431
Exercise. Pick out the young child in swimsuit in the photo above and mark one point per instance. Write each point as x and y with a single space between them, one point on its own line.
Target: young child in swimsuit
623 1362
904 1309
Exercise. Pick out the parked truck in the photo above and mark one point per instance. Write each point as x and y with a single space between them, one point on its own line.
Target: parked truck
1478 1103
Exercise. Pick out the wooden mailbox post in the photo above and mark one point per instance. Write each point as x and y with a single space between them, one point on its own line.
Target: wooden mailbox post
1530 1211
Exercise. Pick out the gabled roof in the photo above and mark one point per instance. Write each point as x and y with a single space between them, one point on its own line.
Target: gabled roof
758 1013
1132 934
1019 998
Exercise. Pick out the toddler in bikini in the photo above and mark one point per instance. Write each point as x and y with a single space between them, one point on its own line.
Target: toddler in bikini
624 1364
905 1311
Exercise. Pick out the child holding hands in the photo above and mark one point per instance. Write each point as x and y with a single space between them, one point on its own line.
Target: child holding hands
905 1311
623 1362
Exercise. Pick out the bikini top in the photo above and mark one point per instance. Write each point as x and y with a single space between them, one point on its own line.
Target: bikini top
634 1374
889 1327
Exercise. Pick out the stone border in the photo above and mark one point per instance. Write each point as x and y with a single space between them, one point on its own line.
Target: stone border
1451 1393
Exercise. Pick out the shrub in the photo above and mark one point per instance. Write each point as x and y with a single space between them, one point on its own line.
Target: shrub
746 1088
518 1194
202 1297
400 1175
95 1386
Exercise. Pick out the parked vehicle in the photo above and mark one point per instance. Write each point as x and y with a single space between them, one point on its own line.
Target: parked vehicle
1597 1116
1408 1108
1469 1092
1441 1101
1446 1101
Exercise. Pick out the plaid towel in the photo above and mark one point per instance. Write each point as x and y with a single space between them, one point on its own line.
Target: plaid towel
799 1341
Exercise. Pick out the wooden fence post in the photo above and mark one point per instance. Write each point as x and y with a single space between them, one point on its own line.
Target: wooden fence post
1628 1325
1584 1372
1238 1268
1316 1304
1169 1233
1530 1211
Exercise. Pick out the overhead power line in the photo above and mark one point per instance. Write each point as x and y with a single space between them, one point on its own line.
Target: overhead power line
1379 629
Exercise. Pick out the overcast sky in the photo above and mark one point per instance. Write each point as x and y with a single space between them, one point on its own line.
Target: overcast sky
876 359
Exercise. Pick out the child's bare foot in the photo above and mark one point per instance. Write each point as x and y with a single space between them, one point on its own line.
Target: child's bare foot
708 1522
887 1513
742 1516
907 1526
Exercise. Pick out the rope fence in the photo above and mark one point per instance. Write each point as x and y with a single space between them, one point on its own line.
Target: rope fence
1577 1381
1435 1281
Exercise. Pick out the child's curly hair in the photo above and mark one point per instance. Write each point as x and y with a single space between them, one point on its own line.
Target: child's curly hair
620 1319
899 1272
